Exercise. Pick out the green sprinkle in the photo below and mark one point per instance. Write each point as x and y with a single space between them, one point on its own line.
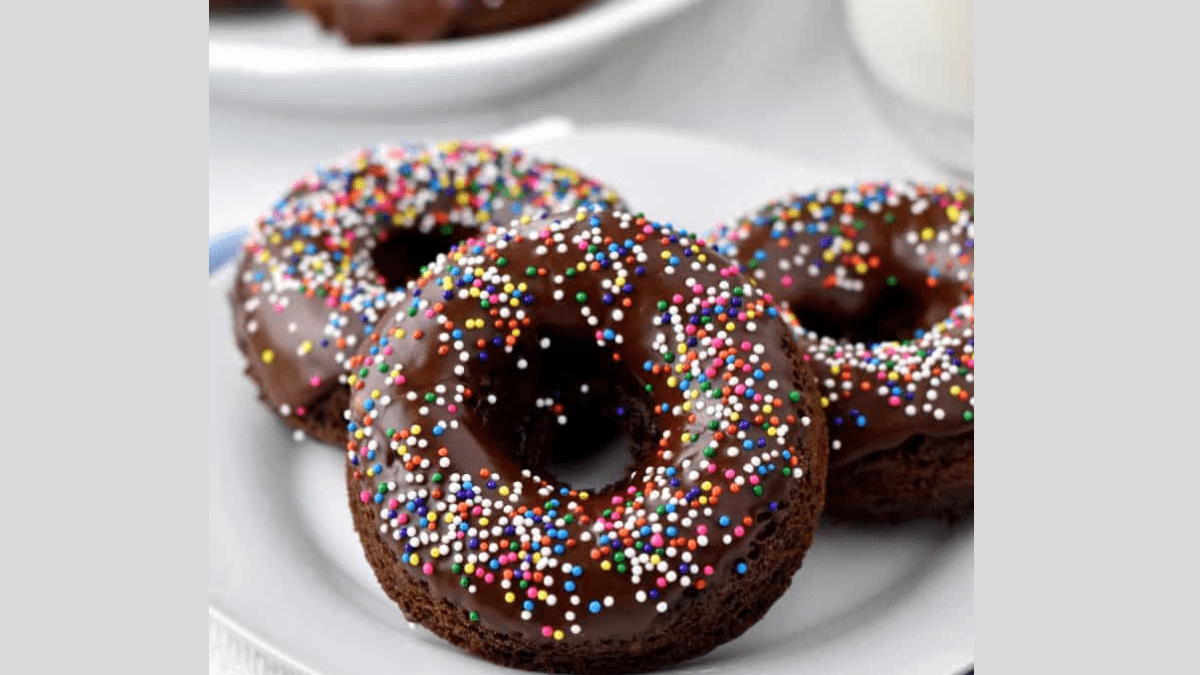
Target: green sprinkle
531 271
581 297
968 415
474 616
794 397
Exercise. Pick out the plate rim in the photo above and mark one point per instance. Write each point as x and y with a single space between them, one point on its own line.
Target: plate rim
582 30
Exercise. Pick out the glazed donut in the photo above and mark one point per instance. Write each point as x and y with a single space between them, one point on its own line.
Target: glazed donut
383 21
317 271
880 279
452 445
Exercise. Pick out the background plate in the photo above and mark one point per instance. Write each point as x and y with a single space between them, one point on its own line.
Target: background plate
281 57
286 570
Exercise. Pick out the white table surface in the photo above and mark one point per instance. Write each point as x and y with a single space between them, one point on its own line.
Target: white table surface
772 74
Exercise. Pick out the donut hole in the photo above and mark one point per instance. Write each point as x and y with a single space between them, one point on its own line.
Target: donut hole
399 256
896 314
560 406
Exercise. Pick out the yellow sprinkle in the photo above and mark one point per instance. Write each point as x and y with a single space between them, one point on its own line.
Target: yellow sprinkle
955 390
605 565
824 402
927 234
655 559
306 346
542 594
706 486
558 635
415 430
503 490
509 597
770 431
469 568
703 500
433 553
375 393
768 408
733 417
268 356
671 381
861 268
414 559
402 450
952 213
483 521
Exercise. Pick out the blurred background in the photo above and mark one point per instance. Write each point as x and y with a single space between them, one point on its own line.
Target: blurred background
873 88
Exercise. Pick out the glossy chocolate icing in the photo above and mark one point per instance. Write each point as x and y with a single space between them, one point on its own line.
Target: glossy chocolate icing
881 280
368 21
701 362
319 270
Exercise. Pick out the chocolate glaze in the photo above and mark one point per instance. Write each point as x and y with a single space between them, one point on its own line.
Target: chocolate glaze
880 279
673 317
318 271
376 21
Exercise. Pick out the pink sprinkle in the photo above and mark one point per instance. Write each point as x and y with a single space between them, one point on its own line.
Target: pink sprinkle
661 582
894 401
278 308
452 408
547 631
697 288
531 593
387 351
616 500
331 302
701 529
738 531
754 479
315 381
786 280
712 468
729 474
400 379
365 496
489 577
427 568
677 298
708 570
393 503
479 572
746 345
740 389
403 519
656 540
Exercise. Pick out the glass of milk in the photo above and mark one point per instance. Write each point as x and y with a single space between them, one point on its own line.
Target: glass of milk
918 58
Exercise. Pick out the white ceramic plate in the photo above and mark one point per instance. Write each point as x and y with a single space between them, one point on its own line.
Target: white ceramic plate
283 58
286 570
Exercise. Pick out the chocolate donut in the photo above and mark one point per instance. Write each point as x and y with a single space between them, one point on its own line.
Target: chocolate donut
880 279
318 271
635 327
384 21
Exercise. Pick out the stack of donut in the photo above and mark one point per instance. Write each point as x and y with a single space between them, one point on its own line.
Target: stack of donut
462 319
